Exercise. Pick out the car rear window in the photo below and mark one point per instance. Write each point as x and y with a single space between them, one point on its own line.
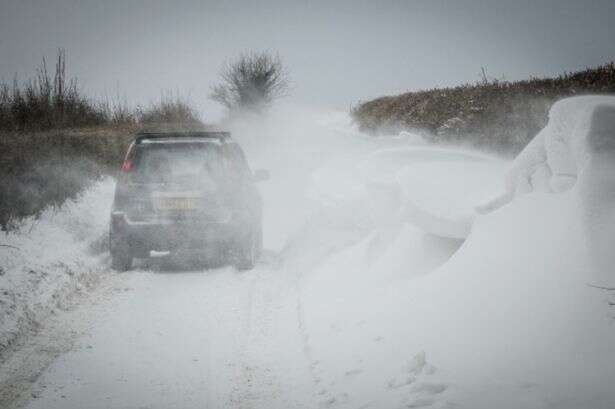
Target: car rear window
178 161
190 163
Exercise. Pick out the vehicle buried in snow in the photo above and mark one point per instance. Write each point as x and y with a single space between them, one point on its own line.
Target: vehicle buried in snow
186 193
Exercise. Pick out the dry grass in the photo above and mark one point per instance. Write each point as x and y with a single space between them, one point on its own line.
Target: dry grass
54 141
41 169
48 102
168 111
499 115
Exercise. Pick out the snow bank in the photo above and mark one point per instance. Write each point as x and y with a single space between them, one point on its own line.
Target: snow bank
553 160
434 189
397 317
596 185
47 260
439 188
577 145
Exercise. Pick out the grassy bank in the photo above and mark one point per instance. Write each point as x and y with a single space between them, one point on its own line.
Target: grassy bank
496 115
45 168
55 141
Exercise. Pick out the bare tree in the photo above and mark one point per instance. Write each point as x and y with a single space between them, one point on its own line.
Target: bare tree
252 82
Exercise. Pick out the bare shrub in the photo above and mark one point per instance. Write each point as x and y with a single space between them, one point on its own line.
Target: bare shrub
252 82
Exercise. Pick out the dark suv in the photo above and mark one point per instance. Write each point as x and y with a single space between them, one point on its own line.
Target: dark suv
187 192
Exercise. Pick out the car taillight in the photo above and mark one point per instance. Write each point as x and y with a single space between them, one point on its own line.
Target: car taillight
128 166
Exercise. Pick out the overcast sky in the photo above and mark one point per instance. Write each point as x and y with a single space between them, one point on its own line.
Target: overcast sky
338 52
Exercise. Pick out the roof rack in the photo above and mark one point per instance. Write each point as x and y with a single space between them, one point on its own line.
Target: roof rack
220 135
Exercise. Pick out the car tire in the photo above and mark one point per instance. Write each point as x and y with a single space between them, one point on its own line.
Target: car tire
121 256
249 250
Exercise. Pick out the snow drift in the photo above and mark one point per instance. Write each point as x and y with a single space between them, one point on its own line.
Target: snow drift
577 145
49 259
554 159
438 188
396 316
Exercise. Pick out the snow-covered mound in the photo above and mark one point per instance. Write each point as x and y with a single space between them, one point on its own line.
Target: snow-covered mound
46 260
577 145
431 188
440 188
508 322
397 317
554 159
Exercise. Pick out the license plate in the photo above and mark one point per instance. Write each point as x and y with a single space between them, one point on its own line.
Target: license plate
177 203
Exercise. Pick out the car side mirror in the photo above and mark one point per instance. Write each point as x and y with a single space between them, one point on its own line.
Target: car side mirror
261 175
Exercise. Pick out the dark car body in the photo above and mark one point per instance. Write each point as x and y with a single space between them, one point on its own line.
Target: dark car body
187 192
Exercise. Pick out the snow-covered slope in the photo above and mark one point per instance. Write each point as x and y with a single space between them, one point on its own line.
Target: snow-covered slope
47 260
511 320
554 159
434 189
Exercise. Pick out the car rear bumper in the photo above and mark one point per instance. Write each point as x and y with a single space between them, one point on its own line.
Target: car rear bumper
176 235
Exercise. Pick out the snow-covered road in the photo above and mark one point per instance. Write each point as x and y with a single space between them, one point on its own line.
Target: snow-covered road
212 339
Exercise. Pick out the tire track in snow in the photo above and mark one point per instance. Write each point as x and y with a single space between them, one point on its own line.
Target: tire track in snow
272 368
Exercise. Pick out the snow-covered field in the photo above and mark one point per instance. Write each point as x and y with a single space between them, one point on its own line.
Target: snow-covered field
382 286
